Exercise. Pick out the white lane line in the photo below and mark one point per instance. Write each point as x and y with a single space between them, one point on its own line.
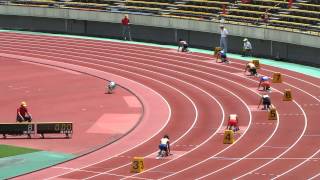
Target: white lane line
168 76
97 172
276 147
299 79
287 150
300 164
161 83
204 142
126 65
314 177
194 165
260 158
189 130
100 65
94 45
167 121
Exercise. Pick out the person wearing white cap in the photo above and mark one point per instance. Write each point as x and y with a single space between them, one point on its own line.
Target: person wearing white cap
111 86
247 48
22 113
266 102
223 39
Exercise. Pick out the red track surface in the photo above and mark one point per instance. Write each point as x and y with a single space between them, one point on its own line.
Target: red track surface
55 94
200 93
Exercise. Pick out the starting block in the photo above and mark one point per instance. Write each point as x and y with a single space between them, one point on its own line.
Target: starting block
216 50
287 96
228 137
272 115
277 77
137 165
256 63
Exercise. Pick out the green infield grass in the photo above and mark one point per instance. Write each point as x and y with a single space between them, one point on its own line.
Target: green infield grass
6 150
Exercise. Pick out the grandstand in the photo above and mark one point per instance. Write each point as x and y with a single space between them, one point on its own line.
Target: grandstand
299 15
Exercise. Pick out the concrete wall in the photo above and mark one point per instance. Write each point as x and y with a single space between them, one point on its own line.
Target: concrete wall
290 46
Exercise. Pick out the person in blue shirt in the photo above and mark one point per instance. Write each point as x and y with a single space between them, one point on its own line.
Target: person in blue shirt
223 56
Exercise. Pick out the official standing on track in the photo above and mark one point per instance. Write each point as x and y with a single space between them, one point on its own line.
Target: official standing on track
223 39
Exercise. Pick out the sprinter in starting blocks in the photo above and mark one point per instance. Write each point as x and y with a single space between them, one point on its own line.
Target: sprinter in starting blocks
265 101
233 123
250 67
265 83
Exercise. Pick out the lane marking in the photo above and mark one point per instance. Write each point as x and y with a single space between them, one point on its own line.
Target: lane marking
96 172
185 82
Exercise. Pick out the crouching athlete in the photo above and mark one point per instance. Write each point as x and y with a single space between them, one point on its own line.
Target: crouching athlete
164 146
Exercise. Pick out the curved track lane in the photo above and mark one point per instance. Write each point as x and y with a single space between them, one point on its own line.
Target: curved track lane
254 138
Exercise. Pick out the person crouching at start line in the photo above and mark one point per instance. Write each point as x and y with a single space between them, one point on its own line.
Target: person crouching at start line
183 45
111 86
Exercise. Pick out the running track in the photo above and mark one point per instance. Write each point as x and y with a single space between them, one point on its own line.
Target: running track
201 94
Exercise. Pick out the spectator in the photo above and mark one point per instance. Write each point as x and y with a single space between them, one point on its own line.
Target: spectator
126 28
223 39
265 17
247 48
22 113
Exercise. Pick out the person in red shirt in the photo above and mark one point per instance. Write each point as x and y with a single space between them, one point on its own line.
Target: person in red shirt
233 123
22 113
126 28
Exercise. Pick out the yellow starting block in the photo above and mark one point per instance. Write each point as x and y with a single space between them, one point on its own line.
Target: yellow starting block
228 137
256 63
216 50
137 165
272 115
287 96
277 77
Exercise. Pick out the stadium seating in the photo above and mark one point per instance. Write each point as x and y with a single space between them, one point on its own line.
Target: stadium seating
302 15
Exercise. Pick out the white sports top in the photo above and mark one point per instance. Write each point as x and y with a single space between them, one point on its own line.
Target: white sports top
112 83
233 116
164 140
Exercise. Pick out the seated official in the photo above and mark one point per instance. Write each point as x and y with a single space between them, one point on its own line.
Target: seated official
22 113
